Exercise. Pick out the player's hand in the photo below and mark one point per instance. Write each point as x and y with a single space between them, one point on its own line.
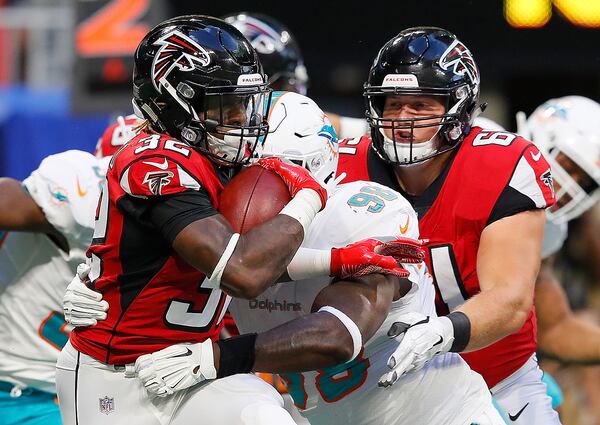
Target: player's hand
176 368
360 259
81 305
404 250
421 338
295 177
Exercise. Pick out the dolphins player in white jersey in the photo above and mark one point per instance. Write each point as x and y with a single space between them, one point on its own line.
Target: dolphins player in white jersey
337 334
46 224
568 130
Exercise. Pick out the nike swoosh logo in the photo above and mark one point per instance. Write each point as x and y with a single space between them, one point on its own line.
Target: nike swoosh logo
158 165
535 157
80 191
189 353
404 229
515 417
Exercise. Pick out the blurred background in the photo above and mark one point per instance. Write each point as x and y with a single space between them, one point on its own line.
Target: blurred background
65 70
65 65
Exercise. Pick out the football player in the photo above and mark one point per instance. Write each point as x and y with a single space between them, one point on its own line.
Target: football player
281 57
480 197
162 255
337 332
567 130
46 223
116 135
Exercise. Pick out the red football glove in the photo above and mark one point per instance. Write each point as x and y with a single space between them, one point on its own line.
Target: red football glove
295 177
360 258
404 250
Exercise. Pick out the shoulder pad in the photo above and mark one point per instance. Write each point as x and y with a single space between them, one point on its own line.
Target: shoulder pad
155 165
361 210
532 177
66 186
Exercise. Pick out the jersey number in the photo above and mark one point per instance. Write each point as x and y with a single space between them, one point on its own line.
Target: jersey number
372 197
152 142
447 276
53 330
493 138
333 383
181 314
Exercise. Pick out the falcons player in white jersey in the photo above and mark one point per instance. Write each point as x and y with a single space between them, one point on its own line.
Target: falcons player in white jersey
339 332
46 223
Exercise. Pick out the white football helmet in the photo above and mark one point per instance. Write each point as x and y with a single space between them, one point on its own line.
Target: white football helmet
568 128
301 133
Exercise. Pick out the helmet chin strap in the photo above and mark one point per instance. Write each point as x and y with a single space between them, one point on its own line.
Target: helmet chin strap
402 151
232 148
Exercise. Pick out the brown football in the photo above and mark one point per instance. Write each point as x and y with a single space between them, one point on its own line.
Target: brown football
252 197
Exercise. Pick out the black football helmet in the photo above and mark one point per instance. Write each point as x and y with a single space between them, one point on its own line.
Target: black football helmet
424 61
199 80
277 49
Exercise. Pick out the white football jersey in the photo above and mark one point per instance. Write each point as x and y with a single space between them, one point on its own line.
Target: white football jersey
446 391
34 271
555 236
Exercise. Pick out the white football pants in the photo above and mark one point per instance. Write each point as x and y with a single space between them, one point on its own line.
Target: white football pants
94 393
523 397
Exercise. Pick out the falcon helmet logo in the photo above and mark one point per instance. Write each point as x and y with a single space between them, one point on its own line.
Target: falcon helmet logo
177 50
262 36
547 179
156 180
459 57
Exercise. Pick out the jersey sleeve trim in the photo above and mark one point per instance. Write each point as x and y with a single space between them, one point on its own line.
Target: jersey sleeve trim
529 187
176 212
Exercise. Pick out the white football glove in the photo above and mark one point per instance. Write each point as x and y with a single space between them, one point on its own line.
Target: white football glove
421 338
81 305
176 368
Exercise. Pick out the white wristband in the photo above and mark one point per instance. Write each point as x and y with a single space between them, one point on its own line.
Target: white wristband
214 281
308 263
350 325
303 207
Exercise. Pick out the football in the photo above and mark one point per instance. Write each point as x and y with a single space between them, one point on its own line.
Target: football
252 197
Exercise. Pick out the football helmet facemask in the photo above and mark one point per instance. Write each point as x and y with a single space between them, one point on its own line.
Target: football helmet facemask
567 130
199 80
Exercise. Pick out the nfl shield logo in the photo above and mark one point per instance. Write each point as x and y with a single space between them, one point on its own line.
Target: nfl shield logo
107 405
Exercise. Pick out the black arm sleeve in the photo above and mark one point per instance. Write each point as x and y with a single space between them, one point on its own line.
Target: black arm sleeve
171 214
510 202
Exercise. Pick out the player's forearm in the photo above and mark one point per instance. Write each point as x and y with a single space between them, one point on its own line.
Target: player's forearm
311 342
18 211
573 340
355 309
494 314
261 256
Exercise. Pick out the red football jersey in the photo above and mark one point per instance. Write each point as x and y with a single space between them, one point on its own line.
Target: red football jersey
155 187
492 175
116 135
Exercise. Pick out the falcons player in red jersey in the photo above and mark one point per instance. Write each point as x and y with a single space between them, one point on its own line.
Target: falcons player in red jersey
116 135
163 257
479 196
